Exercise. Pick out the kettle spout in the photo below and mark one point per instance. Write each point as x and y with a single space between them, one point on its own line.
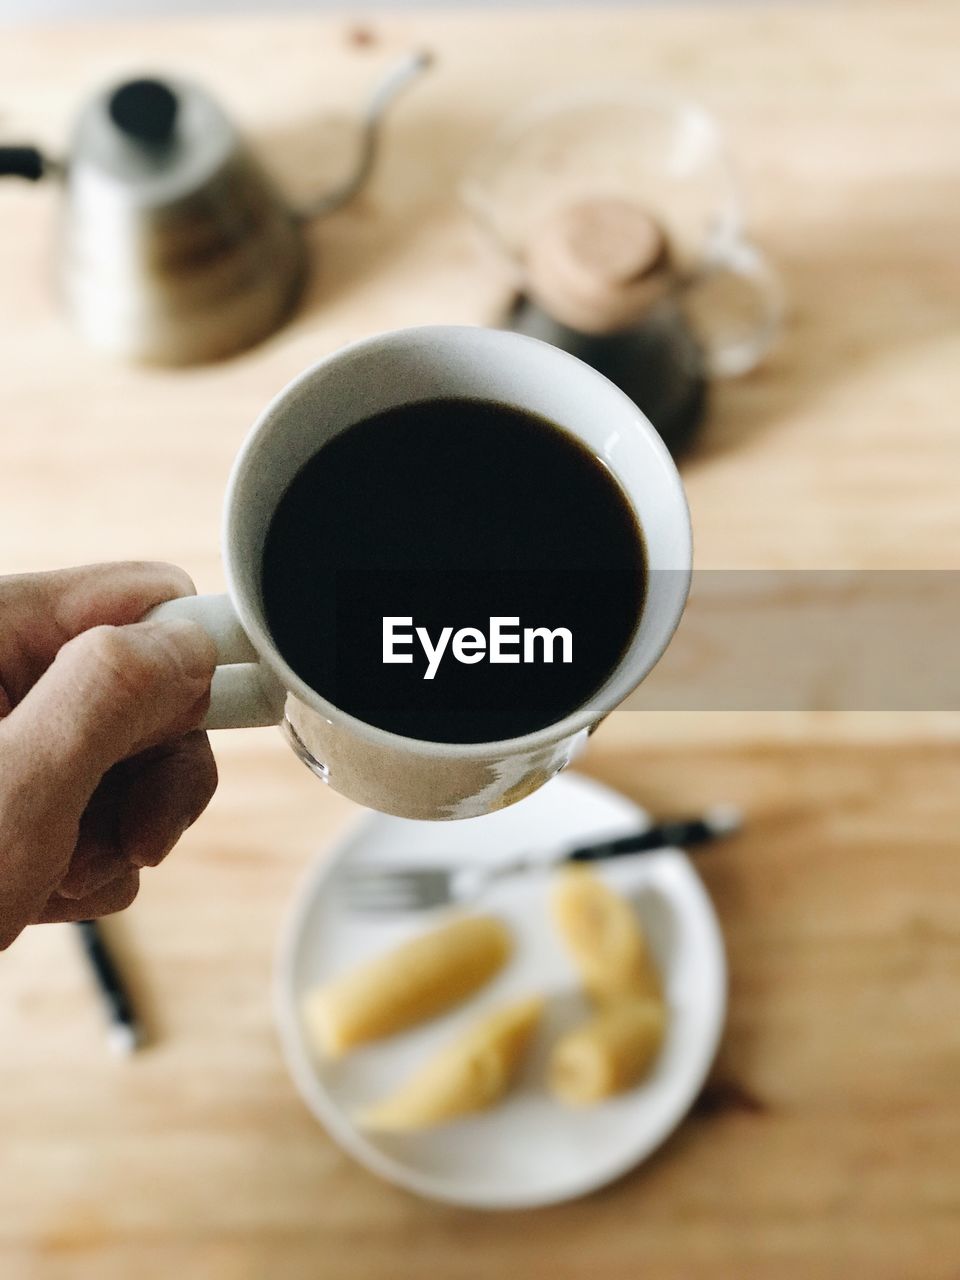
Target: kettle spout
387 91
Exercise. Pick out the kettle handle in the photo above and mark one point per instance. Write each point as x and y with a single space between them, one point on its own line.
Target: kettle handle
397 78
23 162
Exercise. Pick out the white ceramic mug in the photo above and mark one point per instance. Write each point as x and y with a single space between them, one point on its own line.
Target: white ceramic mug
255 685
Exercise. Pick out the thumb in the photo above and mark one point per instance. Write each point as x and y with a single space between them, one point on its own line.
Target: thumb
109 693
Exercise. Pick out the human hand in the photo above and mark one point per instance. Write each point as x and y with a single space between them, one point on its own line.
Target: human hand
102 765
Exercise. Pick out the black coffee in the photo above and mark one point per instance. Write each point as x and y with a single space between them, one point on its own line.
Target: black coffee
467 542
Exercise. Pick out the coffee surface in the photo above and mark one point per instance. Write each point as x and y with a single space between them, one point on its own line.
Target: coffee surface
440 517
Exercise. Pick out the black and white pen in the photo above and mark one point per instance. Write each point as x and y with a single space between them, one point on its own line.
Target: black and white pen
124 1035
716 822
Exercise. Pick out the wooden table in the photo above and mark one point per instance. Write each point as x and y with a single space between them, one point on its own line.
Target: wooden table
827 1142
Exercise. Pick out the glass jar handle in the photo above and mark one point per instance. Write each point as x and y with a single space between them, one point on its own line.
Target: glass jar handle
738 330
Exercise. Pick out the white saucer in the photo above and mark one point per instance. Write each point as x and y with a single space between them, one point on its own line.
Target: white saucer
529 1150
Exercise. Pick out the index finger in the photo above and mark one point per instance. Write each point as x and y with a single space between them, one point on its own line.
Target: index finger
42 611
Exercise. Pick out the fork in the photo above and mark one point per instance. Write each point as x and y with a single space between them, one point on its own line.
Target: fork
391 890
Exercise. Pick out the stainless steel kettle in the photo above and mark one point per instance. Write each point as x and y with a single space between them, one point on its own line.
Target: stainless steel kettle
176 247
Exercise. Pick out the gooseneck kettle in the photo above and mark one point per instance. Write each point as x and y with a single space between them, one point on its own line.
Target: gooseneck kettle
175 246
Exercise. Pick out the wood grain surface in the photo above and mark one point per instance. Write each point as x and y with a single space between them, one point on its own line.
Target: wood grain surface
826 1144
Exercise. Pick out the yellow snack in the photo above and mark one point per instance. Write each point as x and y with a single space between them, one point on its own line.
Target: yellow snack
407 985
470 1074
603 933
608 1054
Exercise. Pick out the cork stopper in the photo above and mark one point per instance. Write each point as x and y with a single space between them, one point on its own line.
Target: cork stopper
598 265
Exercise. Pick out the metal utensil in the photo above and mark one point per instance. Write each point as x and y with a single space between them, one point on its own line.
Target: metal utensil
392 890
175 245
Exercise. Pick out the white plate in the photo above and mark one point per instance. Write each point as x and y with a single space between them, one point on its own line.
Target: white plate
529 1150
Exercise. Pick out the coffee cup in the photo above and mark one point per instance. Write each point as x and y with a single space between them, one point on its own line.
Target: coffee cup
254 685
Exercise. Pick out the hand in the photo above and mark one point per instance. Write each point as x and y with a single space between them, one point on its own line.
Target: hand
102 766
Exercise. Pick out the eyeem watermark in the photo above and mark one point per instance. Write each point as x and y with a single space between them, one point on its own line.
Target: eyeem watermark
506 643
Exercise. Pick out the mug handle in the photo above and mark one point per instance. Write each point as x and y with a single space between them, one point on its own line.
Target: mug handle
735 350
245 694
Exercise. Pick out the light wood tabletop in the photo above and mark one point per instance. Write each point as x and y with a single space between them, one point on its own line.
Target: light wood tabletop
827 1141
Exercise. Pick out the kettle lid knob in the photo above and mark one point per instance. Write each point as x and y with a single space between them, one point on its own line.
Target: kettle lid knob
145 111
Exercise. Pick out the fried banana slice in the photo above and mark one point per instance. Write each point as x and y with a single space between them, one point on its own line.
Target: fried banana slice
407 985
470 1074
603 933
608 1054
